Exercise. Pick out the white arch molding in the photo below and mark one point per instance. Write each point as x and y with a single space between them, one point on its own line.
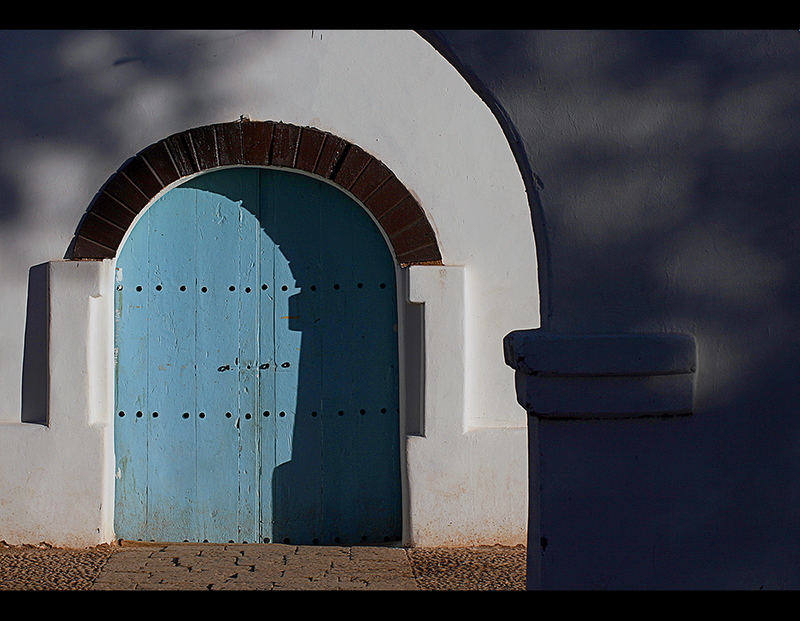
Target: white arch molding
393 95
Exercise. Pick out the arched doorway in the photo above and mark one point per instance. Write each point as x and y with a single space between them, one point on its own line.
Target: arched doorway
257 373
460 231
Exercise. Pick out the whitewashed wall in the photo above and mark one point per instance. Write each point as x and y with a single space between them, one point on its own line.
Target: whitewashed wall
75 105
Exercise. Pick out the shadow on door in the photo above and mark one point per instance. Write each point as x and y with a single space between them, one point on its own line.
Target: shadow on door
327 432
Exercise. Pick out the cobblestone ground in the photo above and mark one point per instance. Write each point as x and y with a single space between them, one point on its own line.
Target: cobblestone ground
43 568
259 567
485 568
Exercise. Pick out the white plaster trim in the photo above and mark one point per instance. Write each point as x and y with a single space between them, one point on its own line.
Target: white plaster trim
462 483
57 483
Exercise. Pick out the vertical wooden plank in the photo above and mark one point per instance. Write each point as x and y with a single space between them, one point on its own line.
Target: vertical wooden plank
287 352
361 359
339 405
266 372
171 377
217 346
297 500
246 287
376 431
130 351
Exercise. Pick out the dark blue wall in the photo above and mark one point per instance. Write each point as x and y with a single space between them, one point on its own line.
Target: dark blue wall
667 199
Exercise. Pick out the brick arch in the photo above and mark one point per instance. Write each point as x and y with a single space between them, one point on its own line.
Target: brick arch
255 143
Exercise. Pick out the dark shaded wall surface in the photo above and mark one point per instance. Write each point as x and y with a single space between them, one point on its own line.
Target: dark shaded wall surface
668 202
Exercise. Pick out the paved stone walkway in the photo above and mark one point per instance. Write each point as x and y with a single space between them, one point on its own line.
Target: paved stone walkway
272 567
212 567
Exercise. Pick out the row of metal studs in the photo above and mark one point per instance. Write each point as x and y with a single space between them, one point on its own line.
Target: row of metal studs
315 541
266 413
336 286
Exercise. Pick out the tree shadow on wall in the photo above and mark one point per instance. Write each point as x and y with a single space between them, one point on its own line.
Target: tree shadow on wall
670 195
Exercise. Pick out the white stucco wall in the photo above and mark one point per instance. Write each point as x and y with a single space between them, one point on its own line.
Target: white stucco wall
57 479
108 95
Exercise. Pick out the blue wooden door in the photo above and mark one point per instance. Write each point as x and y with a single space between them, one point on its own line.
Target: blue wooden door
256 358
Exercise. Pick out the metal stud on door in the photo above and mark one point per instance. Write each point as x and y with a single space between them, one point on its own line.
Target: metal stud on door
257 366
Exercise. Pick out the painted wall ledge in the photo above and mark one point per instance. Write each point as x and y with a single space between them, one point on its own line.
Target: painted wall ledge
588 376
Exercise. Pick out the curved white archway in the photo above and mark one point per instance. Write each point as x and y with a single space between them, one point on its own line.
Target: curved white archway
394 95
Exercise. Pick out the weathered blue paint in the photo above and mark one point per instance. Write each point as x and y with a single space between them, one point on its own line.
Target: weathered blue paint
261 352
